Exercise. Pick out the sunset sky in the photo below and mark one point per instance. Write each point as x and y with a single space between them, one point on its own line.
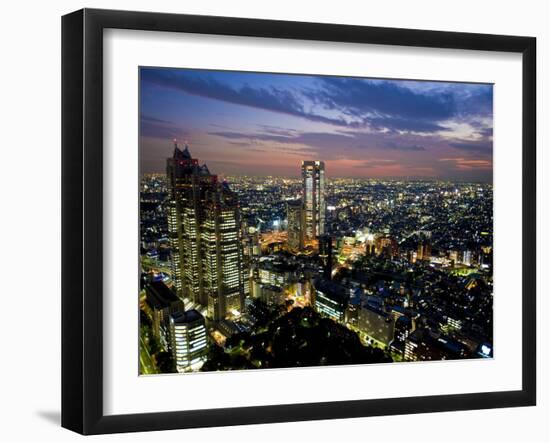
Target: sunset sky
266 124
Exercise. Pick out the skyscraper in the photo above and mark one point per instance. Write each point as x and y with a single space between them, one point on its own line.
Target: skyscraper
313 198
223 271
188 340
294 212
205 237
325 252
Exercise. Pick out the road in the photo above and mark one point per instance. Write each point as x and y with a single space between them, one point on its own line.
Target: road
146 362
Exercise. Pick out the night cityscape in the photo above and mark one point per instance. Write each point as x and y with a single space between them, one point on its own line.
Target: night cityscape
369 242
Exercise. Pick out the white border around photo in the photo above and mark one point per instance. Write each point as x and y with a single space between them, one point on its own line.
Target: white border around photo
125 392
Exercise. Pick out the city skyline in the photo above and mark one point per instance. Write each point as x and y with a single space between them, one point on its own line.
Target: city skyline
364 128
252 257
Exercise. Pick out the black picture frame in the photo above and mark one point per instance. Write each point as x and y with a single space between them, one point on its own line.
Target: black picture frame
82 190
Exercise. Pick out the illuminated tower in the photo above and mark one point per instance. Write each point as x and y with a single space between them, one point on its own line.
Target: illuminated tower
205 239
224 270
188 184
313 198
294 212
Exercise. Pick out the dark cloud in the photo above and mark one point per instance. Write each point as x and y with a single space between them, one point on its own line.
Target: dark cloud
304 138
150 119
159 128
231 134
360 97
403 124
278 130
379 105
373 123
270 99
251 137
482 146
485 132
396 147
479 102
329 145
387 105
240 144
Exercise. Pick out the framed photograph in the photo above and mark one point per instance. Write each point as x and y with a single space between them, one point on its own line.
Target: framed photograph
269 221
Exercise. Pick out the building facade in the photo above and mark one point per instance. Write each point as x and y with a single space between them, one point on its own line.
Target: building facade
162 302
295 215
425 345
330 299
224 270
313 198
188 340
376 324
326 255
205 237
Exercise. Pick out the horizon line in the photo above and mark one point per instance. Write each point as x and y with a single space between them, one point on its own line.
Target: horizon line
389 178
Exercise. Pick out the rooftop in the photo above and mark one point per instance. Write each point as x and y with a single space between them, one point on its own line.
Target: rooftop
160 296
331 289
186 316
179 154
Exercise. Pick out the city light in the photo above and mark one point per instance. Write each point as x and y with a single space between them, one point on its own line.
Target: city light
356 275
349 230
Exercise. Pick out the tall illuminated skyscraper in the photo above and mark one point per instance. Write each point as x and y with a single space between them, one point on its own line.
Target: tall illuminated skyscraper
205 238
223 272
313 198
294 212
188 186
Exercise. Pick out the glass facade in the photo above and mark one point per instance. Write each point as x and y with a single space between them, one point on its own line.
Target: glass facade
313 195
188 340
205 237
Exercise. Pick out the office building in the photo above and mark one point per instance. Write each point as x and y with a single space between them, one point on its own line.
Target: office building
222 255
295 220
330 299
313 198
205 237
272 295
424 345
189 343
162 302
375 323
326 255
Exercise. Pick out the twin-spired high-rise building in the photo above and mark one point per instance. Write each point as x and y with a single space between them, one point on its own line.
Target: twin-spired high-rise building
205 237
313 198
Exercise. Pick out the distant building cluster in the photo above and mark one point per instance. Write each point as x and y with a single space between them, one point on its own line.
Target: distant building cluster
405 265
